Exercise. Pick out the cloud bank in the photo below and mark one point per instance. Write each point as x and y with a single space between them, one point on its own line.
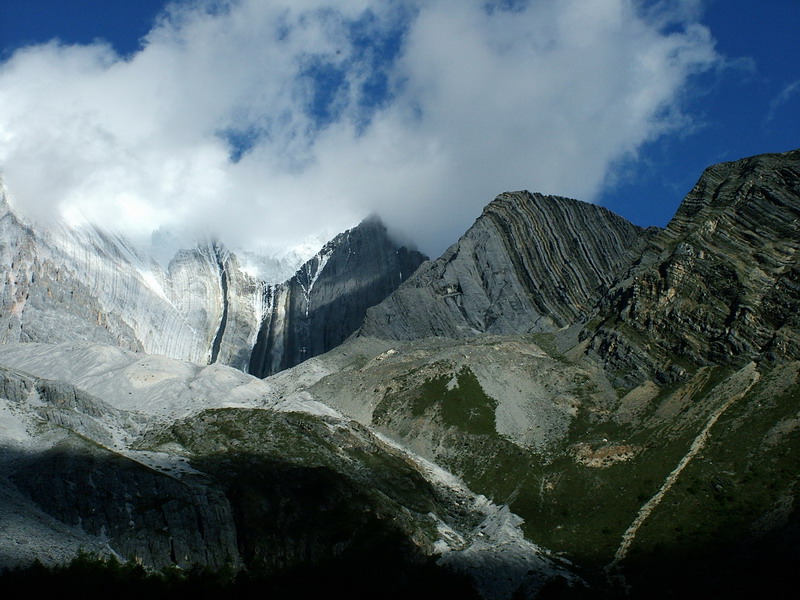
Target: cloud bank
263 122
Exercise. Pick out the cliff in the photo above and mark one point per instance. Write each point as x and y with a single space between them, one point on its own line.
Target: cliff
326 300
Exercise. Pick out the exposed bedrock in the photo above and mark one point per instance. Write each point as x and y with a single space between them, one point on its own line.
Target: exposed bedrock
326 300
720 285
530 263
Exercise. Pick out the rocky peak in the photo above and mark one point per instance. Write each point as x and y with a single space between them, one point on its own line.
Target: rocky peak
530 263
325 301
767 183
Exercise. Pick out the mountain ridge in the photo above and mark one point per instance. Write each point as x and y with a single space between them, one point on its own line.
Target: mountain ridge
653 441
325 301
719 285
624 398
203 307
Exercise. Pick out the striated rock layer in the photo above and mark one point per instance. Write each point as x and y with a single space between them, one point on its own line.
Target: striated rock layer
530 263
720 285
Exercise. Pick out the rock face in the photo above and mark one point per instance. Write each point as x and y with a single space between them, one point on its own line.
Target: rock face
43 298
223 304
325 302
530 263
720 285
89 285
66 284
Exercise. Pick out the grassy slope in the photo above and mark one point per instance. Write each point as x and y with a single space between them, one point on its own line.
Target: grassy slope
742 483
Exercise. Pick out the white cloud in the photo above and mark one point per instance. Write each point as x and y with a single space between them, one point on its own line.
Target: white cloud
545 97
785 96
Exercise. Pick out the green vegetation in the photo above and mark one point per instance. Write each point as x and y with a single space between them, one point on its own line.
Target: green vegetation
229 442
583 510
461 403
744 482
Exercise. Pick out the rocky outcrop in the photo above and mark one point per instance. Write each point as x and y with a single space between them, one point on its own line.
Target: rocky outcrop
720 285
326 300
60 453
530 263
143 515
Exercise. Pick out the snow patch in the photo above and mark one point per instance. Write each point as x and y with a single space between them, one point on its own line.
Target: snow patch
312 274
495 553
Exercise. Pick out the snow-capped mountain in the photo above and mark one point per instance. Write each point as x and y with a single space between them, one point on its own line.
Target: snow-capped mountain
83 283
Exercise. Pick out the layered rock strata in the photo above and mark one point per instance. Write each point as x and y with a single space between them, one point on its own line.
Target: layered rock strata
530 263
720 285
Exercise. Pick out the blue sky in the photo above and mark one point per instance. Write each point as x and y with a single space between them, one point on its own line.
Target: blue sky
749 105
268 121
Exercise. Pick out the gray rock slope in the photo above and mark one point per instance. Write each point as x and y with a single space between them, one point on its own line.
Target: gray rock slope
325 301
530 263
65 284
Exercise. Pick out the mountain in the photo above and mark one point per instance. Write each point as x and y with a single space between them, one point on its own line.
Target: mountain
562 405
171 463
530 263
647 428
325 301
65 284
